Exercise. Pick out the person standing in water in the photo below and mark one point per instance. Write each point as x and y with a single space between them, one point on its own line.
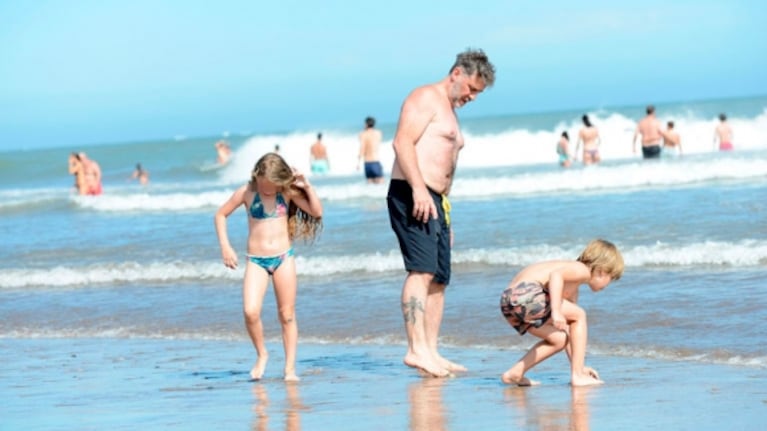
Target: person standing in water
563 150
318 157
140 174
650 129
672 142
223 152
723 134
589 136
370 141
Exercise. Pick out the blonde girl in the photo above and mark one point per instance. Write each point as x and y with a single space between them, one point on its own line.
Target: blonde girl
281 206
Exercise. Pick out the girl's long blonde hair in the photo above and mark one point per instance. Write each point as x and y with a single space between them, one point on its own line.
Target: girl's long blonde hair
273 168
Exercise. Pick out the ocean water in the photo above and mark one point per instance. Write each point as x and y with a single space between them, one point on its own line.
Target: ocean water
143 262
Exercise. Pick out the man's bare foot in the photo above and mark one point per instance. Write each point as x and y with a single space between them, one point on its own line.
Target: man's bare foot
257 372
424 373
427 367
585 380
450 366
511 379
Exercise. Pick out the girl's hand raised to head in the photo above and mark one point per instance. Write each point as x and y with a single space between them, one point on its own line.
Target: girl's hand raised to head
300 180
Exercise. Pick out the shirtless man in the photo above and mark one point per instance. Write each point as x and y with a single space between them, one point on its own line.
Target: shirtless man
370 140
318 156
723 134
426 146
672 142
589 135
650 129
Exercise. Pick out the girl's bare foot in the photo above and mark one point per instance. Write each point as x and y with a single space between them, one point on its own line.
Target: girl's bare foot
291 377
585 380
591 372
257 372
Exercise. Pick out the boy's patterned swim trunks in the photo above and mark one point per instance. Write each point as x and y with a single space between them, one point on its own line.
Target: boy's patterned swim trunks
526 304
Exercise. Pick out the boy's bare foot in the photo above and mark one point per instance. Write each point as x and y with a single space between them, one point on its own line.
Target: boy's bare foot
511 379
585 380
257 372
427 367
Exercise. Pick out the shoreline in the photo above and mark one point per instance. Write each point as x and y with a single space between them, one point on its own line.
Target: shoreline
191 384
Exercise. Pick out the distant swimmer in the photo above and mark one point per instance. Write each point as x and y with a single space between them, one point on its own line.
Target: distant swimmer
589 135
224 151
370 140
76 169
92 176
723 134
562 150
672 142
650 129
318 157
140 174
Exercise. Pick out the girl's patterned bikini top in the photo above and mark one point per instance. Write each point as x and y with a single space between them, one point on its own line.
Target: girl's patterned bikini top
257 208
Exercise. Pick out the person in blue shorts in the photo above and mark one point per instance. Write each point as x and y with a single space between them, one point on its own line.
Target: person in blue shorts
319 157
370 140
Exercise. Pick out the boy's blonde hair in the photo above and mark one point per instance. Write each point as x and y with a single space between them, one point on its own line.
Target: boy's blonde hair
274 168
604 255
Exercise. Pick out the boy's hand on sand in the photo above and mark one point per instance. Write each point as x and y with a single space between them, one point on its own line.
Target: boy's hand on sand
230 258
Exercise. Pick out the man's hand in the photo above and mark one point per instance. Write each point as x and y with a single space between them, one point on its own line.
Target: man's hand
423 205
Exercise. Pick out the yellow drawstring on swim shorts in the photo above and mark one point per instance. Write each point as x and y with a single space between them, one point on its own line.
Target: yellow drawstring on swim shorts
446 207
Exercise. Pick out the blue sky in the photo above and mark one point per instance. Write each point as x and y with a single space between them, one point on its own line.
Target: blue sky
82 72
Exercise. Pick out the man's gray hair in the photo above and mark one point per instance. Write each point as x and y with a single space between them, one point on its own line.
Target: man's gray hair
475 61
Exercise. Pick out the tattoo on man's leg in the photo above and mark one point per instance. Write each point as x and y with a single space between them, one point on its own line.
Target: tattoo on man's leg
409 309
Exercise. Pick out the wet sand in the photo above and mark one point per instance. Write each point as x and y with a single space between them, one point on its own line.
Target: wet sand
95 384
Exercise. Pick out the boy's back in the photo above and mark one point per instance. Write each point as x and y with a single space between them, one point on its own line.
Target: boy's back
571 273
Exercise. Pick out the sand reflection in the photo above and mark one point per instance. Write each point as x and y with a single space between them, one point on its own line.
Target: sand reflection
260 408
427 412
290 409
534 411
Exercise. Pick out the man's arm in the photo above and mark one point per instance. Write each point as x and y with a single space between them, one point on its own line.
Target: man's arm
663 133
416 114
634 141
577 146
716 136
